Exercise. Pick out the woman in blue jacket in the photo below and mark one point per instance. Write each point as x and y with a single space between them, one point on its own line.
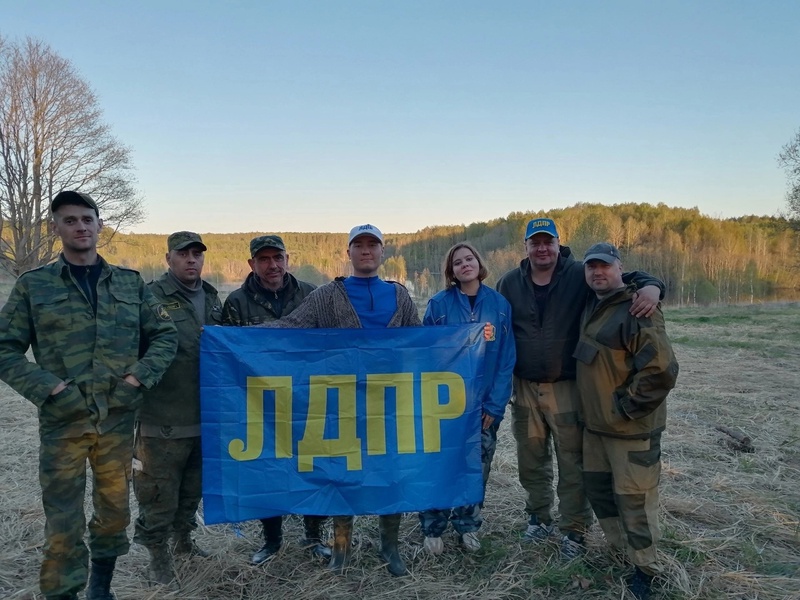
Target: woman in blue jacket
466 300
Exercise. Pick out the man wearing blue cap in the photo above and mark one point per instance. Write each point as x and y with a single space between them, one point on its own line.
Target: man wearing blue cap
547 293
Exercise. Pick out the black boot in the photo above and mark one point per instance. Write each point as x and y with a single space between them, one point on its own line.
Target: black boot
67 596
102 571
640 584
273 538
342 538
390 528
313 540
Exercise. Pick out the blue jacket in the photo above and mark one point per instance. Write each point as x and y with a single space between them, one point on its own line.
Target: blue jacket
451 307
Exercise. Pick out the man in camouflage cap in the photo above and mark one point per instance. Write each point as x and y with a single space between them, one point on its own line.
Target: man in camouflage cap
268 293
168 477
625 369
97 335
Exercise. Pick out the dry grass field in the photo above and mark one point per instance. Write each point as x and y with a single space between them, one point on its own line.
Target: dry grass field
729 518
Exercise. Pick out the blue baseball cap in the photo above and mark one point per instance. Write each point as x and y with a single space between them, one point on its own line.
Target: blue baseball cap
535 226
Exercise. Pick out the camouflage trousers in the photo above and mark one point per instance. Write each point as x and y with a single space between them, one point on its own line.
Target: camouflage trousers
542 412
622 477
168 487
464 518
62 475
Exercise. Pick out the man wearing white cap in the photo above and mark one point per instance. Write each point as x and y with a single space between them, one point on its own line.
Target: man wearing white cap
362 300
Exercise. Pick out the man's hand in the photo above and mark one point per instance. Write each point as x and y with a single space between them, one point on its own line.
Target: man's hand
488 332
59 388
131 380
487 421
645 301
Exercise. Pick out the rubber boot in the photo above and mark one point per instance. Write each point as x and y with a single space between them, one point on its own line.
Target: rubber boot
100 575
342 538
390 528
185 546
160 571
313 540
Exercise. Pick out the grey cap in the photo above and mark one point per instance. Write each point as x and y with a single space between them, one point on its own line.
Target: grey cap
604 251
75 199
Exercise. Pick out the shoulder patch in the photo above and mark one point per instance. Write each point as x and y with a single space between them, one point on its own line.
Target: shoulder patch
162 312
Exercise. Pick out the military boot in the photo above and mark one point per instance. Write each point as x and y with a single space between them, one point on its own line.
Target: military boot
100 575
160 570
313 541
184 545
390 528
67 596
342 538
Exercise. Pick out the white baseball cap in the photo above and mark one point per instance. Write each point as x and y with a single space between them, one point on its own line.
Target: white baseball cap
365 230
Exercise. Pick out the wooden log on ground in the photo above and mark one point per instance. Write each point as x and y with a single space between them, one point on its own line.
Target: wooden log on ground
742 442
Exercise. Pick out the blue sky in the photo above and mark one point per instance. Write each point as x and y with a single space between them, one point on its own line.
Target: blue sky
319 115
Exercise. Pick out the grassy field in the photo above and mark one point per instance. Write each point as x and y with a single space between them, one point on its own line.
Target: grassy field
729 518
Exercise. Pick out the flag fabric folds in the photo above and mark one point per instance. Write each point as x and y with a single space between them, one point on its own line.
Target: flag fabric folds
340 421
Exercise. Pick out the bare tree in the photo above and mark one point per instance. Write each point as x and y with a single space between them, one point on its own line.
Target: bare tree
789 160
52 138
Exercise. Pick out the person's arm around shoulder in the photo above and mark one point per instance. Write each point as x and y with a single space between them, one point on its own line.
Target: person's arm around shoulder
650 290
25 377
160 337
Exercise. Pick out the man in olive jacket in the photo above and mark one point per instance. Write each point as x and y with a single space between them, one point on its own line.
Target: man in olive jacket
547 294
269 293
625 369
168 476
97 335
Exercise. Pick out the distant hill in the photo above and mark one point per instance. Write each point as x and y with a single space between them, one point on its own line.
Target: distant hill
701 259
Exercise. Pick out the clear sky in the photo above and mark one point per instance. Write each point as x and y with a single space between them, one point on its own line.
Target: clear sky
298 115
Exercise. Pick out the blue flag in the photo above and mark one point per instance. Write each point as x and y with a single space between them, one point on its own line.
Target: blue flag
340 421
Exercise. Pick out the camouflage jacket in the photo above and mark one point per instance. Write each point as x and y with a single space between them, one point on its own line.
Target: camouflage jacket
251 303
130 334
626 368
174 404
329 306
545 342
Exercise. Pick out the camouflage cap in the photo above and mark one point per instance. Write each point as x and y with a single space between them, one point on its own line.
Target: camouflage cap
181 240
266 241
75 199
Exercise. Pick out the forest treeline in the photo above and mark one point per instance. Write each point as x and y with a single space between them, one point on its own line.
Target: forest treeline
701 259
